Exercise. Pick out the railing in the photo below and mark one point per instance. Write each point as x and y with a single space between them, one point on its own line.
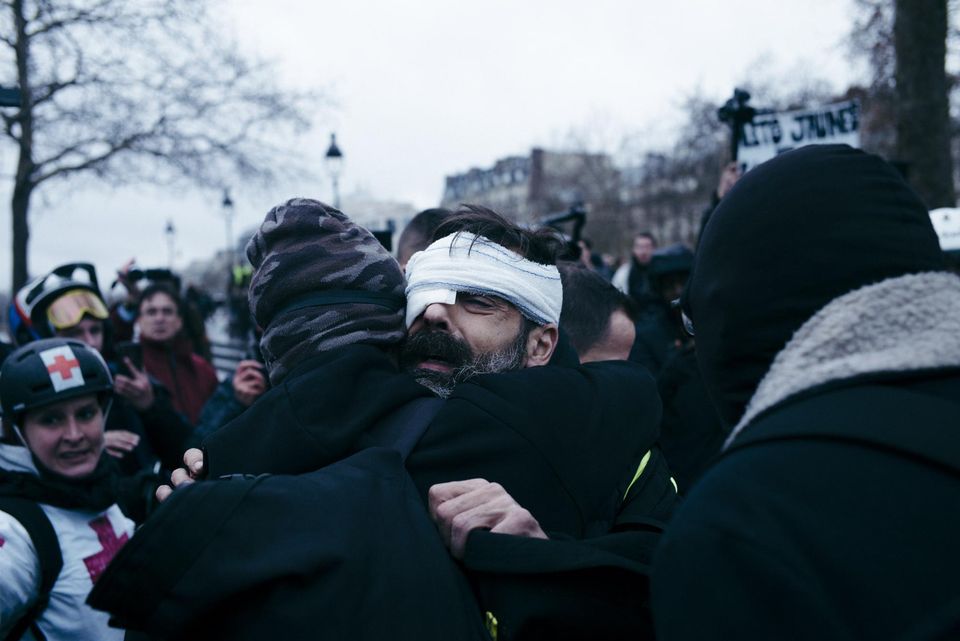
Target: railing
226 356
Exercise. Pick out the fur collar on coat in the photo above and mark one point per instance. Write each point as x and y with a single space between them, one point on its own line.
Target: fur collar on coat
905 324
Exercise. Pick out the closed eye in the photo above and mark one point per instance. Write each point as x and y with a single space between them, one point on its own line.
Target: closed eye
479 303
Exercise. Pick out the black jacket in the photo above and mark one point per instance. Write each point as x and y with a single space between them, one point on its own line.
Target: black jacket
345 552
691 432
830 342
565 442
828 519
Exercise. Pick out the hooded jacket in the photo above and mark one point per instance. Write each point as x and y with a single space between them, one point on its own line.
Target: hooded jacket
565 442
830 341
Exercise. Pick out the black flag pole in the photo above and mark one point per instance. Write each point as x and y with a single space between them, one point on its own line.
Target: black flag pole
736 112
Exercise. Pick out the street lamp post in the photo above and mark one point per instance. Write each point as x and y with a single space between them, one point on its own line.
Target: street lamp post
171 234
334 164
227 205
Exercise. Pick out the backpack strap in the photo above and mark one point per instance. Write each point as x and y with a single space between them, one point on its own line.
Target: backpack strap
402 429
47 546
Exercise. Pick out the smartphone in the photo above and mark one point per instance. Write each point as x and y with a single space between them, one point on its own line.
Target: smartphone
133 351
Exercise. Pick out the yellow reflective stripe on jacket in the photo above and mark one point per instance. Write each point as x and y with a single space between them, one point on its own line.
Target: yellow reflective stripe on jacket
640 469
492 625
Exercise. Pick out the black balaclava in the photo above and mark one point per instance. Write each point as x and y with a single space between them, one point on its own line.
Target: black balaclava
793 234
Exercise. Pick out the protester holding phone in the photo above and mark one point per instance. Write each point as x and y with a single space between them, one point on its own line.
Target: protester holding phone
168 356
233 396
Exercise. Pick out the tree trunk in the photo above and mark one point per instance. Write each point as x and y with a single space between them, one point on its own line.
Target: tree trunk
19 206
922 107
23 185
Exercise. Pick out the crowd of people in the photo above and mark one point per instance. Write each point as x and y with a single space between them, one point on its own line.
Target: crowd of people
493 435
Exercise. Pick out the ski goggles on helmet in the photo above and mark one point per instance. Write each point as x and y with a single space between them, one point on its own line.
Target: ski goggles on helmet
70 308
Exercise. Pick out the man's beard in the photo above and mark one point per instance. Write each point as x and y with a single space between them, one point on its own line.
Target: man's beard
464 364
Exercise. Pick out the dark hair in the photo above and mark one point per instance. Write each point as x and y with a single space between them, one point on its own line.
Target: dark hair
418 232
646 234
538 245
160 288
588 302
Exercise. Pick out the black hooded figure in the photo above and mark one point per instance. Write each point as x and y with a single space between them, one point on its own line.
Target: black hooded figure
829 338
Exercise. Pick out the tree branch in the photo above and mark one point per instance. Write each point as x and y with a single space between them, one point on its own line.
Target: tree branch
89 163
48 91
83 16
8 123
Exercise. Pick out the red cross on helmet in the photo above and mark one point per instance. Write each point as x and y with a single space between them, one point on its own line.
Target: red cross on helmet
49 371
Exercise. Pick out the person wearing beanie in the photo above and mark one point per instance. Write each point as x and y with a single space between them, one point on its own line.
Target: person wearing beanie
320 282
828 336
573 446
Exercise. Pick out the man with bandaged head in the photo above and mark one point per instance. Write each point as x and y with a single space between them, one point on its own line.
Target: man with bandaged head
522 423
485 297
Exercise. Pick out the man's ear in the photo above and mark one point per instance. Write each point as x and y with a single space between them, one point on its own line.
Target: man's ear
541 342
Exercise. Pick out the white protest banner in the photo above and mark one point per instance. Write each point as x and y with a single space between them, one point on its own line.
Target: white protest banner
946 222
774 133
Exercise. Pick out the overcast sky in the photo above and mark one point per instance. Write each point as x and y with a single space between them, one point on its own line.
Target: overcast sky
426 88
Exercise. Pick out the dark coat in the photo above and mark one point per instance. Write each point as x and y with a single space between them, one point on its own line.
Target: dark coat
691 432
565 442
346 552
220 409
123 416
830 340
189 378
164 433
830 519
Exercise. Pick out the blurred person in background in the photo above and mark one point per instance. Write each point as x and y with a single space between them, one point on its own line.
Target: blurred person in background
660 332
596 316
633 277
234 394
418 233
133 280
167 353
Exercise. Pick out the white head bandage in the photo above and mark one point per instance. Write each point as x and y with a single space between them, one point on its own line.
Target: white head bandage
463 262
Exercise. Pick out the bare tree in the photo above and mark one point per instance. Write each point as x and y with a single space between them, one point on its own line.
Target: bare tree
922 89
906 113
133 91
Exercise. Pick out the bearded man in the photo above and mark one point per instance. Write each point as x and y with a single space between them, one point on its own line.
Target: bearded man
476 305
521 420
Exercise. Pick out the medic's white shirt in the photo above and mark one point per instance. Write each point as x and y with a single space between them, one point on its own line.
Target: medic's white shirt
88 541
